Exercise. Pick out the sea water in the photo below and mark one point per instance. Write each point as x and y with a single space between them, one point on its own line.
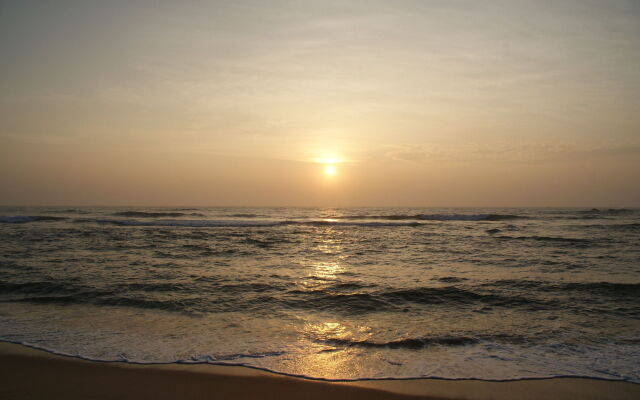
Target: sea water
330 293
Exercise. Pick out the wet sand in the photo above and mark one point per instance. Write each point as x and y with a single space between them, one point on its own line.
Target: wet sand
26 373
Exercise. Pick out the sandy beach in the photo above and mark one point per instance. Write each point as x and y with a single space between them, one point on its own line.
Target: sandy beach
26 373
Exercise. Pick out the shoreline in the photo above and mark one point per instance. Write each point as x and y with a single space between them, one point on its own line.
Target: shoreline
181 364
27 373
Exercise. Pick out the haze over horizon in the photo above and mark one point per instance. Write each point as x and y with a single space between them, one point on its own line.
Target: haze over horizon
320 103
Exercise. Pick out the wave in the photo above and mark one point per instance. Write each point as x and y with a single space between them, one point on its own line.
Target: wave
472 217
31 287
251 221
384 217
545 239
394 300
187 306
428 341
620 211
205 223
144 214
627 226
409 343
348 298
437 217
351 299
195 223
338 221
21 219
67 211
232 360
595 288
211 359
197 286
454 295
342 292
595 213
611 211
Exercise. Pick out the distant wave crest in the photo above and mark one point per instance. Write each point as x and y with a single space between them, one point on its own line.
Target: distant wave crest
204 223
546 239
437 217
144 214
471 217
21 219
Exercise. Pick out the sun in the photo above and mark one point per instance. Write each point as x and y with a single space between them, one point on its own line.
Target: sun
330 170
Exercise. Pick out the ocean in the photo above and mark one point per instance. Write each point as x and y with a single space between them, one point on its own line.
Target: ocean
330 293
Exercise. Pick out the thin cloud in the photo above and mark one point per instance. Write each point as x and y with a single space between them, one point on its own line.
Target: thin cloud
505 153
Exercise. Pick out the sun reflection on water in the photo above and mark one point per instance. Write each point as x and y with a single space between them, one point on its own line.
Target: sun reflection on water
322 355
325 330
327 270
321 275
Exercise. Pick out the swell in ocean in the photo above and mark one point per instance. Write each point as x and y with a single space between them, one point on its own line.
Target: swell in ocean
337 294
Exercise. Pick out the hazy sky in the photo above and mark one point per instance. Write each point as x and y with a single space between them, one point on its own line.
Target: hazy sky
422 103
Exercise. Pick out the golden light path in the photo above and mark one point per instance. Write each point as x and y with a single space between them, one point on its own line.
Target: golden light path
319 330
321 356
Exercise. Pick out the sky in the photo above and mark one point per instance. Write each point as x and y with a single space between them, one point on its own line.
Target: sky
245 103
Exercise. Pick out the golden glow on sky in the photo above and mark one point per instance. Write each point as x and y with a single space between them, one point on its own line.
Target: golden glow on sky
320 103
329 160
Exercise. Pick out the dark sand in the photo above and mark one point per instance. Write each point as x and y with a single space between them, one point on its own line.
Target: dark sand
32 374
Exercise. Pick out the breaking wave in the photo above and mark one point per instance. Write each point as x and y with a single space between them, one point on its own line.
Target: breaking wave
20 219
409 343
